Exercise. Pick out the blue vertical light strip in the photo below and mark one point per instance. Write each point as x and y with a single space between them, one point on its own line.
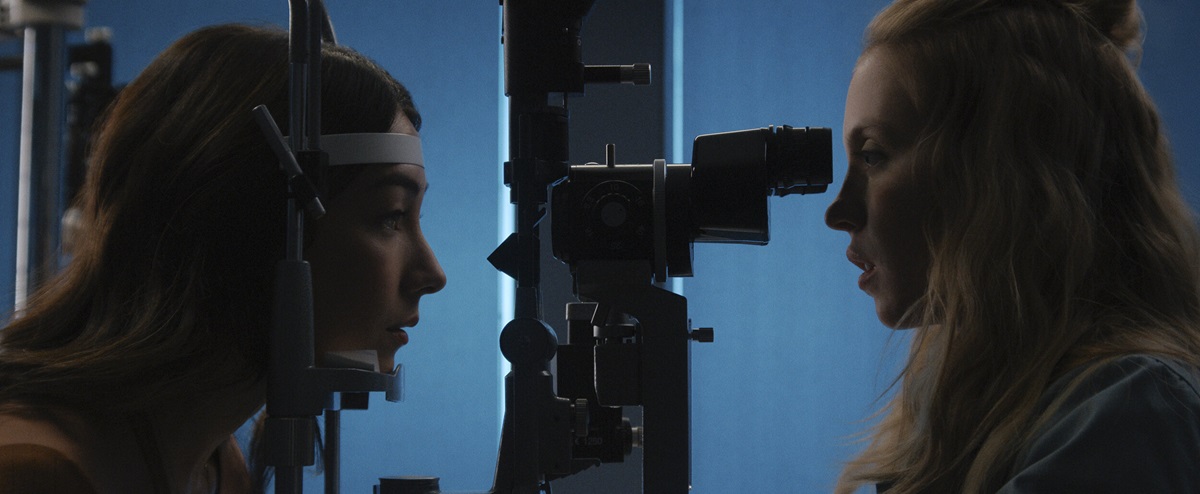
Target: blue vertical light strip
507 225
10 122
675 66
674 69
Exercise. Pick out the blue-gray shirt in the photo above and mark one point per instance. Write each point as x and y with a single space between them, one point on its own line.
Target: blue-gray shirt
1131 427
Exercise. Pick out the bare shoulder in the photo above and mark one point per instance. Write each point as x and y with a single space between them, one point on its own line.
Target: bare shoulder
33 427
38 455
38 469
46 451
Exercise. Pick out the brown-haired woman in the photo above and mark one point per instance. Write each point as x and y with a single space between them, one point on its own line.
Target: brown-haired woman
131 370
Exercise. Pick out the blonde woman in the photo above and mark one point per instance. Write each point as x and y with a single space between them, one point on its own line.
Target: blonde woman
1011 197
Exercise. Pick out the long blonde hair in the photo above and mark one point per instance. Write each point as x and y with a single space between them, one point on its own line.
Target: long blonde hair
1060 238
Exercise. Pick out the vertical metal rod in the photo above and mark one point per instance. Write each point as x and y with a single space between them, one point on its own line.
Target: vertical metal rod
286 351
333 451
289 479
528 197
312 116
39 187
297 116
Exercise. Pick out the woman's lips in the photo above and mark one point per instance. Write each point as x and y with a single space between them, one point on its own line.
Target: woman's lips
867 267
865 278
399 335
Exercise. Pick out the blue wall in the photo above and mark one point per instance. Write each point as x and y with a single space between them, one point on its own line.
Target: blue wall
799 357
799 360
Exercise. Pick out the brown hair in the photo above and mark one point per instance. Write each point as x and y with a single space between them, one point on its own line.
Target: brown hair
169 288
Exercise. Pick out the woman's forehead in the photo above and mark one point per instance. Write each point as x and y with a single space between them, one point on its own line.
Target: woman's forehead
878 101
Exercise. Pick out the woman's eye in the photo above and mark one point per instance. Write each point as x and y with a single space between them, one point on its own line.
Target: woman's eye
394 220
871 158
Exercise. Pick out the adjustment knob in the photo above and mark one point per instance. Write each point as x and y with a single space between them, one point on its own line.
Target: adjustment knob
528 342
702 335
636 435
638 74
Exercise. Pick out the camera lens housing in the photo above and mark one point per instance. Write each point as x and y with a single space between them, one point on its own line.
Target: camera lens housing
656 212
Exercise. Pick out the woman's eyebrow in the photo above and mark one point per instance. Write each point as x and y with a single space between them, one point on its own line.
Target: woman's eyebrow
860 134
401 180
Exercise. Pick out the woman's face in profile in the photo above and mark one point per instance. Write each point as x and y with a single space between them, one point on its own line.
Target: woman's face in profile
884 201
370 261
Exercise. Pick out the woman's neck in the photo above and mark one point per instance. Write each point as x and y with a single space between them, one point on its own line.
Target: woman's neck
188 431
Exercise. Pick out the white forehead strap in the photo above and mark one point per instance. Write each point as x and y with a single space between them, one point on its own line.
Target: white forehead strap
372 148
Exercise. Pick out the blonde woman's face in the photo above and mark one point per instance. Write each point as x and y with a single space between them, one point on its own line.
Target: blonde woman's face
883 201
370 261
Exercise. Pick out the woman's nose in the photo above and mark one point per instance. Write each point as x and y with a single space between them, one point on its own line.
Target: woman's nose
846 212
435 278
